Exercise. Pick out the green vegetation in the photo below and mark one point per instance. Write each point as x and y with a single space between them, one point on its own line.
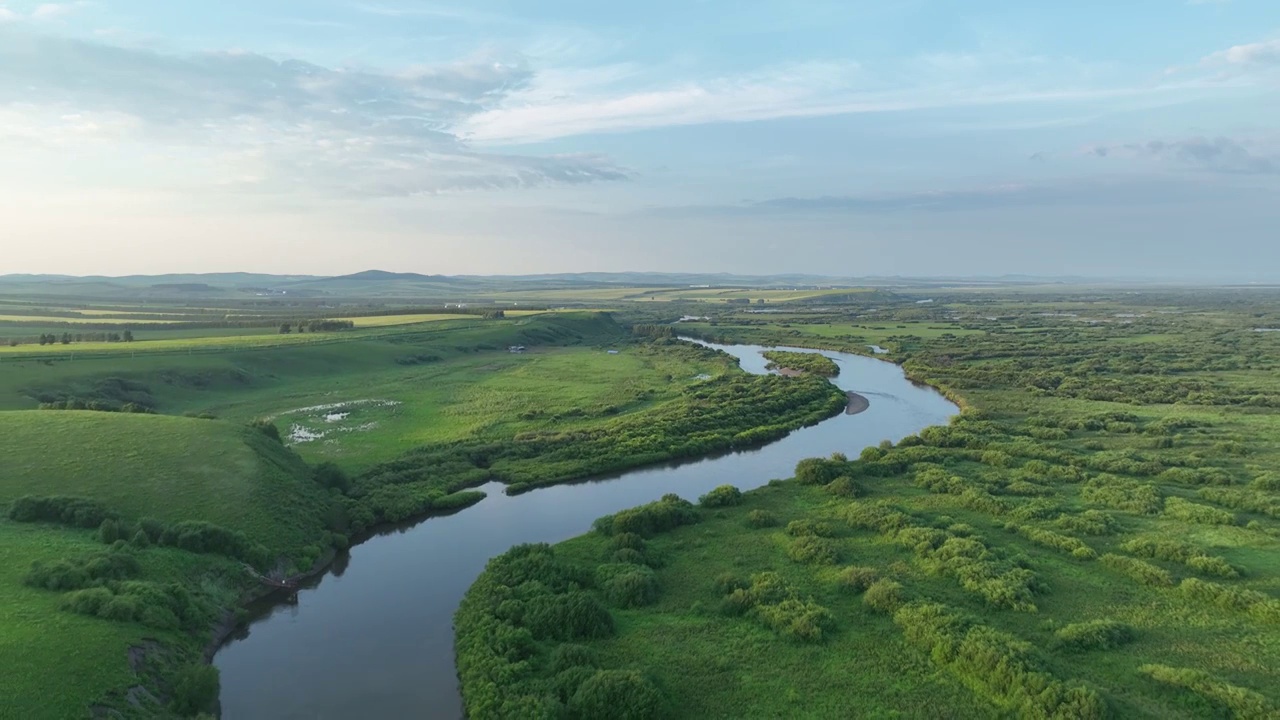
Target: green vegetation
138 504
811 363
1094 536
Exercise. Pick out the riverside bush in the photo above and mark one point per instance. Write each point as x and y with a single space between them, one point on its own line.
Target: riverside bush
723 496
1244 703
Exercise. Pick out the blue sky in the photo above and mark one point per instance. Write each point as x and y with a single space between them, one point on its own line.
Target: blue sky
919 137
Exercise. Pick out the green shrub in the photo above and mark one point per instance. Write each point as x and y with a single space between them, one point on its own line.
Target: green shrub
195 689
884 596
617 694
635 587
569 616
1143 572
723 496
668 513
70 511
844 486
820 471
802 620
568 655
1119 494
998 665
1244 703
1089 522
814 550
1180 509
1180 552
816 528
858 579
1095 635
1076 547
761 519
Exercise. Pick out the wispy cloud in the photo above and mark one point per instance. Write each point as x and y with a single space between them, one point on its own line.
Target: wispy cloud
41 12
810 89
282 123
1120 191
1219 154
1264 54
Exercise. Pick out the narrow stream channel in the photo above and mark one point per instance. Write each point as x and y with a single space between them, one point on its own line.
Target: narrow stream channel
373 638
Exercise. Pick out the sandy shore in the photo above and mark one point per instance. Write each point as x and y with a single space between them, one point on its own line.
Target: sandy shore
857 403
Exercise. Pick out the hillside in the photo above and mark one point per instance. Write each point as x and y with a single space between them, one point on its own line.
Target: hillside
168 468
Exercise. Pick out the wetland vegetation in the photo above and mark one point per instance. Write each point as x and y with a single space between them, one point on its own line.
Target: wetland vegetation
1095 535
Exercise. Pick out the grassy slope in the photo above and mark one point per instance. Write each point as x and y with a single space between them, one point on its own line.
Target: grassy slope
169 468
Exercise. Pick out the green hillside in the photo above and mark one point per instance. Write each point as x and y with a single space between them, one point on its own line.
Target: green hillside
169 468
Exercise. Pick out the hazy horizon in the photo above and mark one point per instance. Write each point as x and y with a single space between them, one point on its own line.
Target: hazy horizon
493 137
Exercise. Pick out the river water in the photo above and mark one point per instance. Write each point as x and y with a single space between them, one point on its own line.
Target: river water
373 638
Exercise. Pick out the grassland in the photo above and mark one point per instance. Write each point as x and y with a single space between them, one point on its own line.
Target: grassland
408 412
1097 535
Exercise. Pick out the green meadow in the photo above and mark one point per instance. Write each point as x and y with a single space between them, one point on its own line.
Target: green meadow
1096 535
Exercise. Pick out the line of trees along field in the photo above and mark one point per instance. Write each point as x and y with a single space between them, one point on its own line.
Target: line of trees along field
1093 537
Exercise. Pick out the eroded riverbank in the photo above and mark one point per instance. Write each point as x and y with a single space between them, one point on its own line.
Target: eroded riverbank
374 636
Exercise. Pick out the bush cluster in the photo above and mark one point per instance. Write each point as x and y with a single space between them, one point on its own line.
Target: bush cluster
1260 605
71 511
776 605
1135 569
1001 666
1094 635
1180 552
1180 509
1075 546
1244 703
974 566
723 496
670 512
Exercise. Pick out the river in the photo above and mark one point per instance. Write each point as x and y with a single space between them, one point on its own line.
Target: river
373 638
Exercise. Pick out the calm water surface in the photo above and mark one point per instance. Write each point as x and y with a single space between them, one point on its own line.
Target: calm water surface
374 637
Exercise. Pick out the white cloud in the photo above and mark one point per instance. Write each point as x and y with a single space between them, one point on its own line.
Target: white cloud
1220 154
1266 53
285 123
788 93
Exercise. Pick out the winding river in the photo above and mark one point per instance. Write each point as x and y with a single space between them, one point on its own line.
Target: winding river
373 638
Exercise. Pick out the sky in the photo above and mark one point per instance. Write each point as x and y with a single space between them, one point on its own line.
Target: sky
1138 138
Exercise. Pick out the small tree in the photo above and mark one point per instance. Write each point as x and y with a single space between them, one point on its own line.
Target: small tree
128 336
285 328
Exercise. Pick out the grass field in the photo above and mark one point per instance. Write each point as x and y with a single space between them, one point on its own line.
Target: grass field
1097 535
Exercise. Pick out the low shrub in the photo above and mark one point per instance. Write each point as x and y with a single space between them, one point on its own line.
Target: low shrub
1076 547
884 596
858 579
816 528
628 585
1089 522
1180 509
1180 552
761 519
844 486
670 512
71 511
618 694
1094 635
723 496
814 550
1244 703
1143 572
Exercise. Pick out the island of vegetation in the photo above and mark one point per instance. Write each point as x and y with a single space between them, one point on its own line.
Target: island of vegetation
796 363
